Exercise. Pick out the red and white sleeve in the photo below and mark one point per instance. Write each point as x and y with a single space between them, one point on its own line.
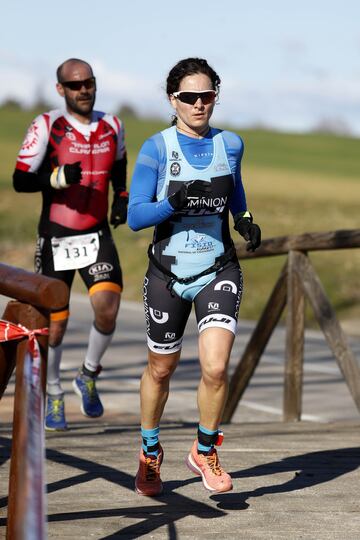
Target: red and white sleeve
34 146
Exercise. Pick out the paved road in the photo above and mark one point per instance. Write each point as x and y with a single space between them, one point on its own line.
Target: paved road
291 482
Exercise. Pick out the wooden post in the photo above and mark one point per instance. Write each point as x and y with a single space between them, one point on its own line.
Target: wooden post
329 324
256 345
32 318
26 496
294 353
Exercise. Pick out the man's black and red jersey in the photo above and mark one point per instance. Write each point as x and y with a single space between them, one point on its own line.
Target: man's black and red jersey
57 138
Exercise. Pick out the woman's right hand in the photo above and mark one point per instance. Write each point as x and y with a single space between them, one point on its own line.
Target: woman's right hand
194 189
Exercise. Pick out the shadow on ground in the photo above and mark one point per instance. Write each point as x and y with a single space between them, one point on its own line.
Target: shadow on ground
309 469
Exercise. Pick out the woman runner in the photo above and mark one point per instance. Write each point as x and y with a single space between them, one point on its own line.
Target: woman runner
186 180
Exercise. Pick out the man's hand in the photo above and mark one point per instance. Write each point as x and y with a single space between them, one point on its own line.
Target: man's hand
119 208
66 175
194 188
243 224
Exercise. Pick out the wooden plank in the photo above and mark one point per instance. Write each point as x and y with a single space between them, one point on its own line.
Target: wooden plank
256 345
329 324
294 353
35 289
316 241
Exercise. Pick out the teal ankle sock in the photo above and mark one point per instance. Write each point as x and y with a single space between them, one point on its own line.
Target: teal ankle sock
206 439
150 441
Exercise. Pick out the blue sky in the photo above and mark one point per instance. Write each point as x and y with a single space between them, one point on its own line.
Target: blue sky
288 65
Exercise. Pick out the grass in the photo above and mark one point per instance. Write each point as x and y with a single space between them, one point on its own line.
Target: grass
294 184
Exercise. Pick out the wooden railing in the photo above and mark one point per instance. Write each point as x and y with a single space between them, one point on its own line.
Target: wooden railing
297 281
35 296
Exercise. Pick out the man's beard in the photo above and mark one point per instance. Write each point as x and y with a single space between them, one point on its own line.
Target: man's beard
83 105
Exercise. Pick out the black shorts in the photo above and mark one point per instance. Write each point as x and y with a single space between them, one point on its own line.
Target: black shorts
106 269
166 314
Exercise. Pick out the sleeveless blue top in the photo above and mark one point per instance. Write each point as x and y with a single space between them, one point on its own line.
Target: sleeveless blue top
188 241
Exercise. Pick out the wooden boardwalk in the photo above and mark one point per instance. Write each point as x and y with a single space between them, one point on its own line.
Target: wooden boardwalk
291 481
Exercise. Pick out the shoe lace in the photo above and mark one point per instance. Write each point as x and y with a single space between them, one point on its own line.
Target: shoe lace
57 409
213 462
152 468
91 390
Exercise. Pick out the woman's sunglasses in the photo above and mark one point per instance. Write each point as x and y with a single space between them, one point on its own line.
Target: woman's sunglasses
206 96
77 85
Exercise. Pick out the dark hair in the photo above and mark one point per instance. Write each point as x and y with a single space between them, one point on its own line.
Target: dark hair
70 60
190 66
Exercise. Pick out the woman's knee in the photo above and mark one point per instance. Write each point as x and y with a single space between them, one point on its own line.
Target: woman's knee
215 373
161 367
160 374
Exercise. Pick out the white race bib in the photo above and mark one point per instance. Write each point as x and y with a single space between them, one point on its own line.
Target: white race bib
72 252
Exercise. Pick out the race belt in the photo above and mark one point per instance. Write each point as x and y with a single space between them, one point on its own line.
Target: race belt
217 267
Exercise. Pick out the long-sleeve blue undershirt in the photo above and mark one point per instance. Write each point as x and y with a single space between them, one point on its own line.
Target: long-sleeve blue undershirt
144 211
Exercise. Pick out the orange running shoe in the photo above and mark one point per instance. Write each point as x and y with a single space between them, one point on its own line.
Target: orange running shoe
208 466
148 481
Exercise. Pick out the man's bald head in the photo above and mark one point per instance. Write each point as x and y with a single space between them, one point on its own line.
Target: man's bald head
71 66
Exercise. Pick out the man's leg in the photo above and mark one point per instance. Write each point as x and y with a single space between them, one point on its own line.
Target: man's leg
105 304
103 280
56 333
55 411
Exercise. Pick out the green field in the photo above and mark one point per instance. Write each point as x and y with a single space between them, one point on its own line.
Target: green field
294 184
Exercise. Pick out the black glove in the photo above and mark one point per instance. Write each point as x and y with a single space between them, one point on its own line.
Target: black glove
66 175
194 188
73 172
243 224
119 208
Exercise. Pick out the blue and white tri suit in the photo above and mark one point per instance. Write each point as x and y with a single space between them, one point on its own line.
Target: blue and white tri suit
188 241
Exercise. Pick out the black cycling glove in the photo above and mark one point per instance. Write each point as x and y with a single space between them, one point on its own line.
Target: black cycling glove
119 208
194 188
243 224
66 175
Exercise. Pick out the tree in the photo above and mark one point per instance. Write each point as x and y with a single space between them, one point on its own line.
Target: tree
127 110
11 103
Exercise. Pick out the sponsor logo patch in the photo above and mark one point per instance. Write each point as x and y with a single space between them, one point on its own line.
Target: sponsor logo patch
175 169
100 268
226 285
160 317
212 319
200 242
69 135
